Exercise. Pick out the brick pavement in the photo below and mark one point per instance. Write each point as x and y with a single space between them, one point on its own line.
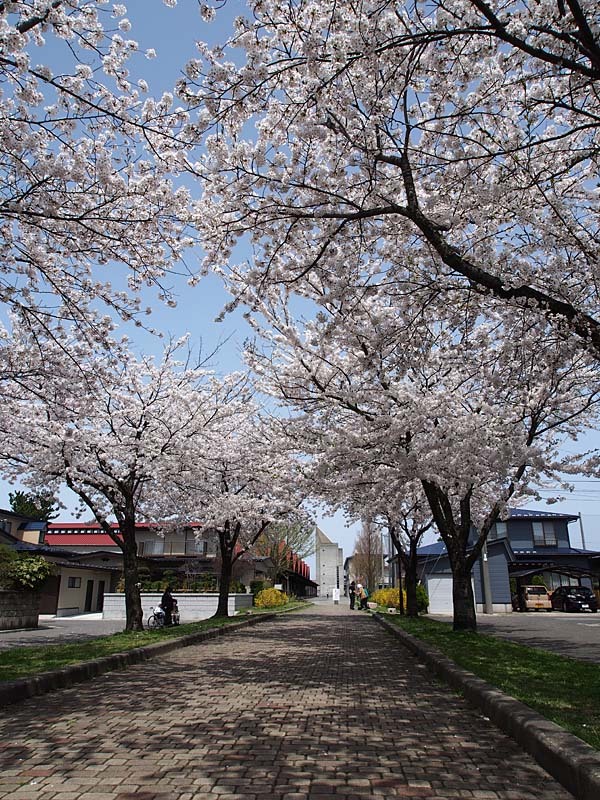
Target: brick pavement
308 707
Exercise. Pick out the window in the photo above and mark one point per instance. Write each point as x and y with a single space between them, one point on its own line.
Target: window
152 547
73 583
498 531
197 546
544 534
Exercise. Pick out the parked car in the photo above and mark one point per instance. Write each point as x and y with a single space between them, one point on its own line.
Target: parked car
532 598
574 598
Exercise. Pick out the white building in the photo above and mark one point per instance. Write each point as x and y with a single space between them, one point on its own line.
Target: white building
330 564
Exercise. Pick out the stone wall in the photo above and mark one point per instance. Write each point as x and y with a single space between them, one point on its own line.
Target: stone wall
192 607
18 609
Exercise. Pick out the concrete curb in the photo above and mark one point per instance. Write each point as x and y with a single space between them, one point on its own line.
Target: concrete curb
15 691
567 758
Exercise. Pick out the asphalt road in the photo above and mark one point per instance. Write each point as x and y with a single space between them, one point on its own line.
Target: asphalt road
573 635
58 630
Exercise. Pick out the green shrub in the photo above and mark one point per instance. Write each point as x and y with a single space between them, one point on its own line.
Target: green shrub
29 572
208 582
258 585
7 558
422 599
237 587
270 598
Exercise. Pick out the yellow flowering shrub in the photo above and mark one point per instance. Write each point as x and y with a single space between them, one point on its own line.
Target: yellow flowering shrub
270 598
389 598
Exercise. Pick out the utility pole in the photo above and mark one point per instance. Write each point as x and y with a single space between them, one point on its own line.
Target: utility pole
382 562
488 606
581 529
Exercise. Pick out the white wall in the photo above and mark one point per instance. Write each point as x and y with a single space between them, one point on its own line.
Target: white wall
192 607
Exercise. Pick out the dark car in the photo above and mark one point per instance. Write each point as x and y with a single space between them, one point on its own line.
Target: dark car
574 598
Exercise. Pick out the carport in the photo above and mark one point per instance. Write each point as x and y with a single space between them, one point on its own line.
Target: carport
556 569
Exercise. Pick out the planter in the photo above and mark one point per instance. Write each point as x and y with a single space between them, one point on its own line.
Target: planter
18 609
192 606
372 606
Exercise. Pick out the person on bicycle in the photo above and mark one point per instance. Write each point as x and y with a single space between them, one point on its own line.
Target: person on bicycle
167 602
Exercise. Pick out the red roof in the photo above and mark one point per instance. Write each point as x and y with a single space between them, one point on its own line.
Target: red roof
79 539
89 534
92 527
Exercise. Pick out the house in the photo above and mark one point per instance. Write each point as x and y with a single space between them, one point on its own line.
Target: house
190 551
528 544
88 562
77 586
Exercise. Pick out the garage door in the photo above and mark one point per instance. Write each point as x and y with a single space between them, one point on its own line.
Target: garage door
439 590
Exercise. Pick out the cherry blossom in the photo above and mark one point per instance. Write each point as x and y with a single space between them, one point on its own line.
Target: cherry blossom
473 413
452 142
89 165
115 429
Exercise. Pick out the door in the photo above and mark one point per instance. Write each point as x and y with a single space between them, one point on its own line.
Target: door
88 596
49 595
100 600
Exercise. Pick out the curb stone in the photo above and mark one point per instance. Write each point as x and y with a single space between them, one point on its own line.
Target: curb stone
15 691
571 761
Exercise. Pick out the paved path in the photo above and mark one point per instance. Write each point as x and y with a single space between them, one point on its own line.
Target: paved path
320 705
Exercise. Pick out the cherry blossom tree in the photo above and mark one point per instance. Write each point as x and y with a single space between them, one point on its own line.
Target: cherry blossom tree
112 428
348 472
400 508
407 522
241 480
473 411
88 161
452 143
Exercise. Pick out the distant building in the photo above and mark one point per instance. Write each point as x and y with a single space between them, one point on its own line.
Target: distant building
330 564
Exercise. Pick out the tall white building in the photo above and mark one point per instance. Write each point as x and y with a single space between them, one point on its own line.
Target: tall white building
330 564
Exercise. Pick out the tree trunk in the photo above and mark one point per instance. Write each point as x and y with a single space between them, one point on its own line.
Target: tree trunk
226 546
462 596
412 608
133 602
456 539
400 592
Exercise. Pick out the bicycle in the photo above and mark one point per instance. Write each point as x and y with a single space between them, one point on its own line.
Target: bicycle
156 618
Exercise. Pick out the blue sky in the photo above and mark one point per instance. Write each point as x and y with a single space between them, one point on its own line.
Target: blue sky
172 33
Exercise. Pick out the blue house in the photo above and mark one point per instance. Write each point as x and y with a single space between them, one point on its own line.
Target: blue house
527 544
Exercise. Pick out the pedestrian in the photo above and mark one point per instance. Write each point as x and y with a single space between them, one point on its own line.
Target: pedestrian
167 602
352 594
362 595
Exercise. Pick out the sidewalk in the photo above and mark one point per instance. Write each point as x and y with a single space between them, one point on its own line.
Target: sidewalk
323 704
